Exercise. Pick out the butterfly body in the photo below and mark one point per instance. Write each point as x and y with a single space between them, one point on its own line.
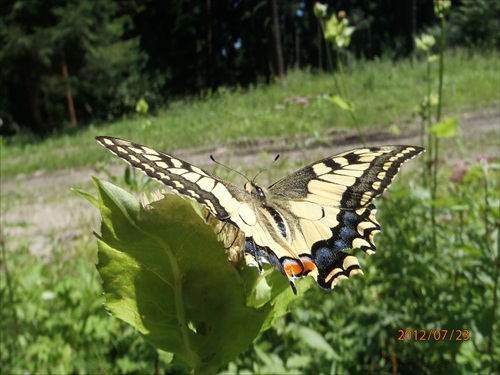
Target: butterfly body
303 223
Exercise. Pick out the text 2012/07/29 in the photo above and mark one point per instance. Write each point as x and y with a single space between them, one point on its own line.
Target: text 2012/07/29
433 335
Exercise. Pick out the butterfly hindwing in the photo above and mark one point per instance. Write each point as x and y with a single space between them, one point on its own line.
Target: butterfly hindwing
330 207
356 230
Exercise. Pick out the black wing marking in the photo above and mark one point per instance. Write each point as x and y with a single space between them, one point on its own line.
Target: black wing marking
356 230
348 180
220 197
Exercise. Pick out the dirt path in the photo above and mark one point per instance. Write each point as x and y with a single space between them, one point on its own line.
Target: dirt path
39 210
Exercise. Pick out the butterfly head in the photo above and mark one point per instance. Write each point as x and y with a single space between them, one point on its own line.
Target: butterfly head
255 190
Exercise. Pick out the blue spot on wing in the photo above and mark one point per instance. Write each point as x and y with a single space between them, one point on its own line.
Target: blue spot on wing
329 255
347 230
339 245
325 256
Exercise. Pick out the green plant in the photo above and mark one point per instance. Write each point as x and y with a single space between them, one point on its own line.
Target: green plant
175 286
337 33
432 124
52 318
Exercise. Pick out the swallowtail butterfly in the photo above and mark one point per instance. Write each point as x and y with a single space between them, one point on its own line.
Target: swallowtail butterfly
301 224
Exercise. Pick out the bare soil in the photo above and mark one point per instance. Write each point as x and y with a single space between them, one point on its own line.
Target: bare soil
39 210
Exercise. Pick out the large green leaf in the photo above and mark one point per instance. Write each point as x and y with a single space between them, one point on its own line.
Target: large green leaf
165 273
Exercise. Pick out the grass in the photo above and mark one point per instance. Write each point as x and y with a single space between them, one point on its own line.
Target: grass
383 91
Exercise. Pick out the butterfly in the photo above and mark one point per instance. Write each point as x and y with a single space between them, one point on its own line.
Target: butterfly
302 224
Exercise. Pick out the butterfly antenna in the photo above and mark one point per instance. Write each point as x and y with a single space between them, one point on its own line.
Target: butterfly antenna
231 169
267 167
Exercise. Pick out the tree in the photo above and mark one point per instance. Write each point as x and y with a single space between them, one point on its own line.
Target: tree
275 50
65 59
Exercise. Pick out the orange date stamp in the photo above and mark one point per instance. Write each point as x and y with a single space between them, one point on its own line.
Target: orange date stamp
433 335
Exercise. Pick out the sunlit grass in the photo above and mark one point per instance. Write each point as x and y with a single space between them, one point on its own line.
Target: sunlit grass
384 93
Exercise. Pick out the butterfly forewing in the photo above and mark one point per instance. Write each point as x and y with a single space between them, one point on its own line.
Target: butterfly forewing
220 197
348 180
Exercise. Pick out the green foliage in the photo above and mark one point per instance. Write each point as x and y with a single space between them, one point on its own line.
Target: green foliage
51 313
475 24
342 103
85 38
336 29
472 82
142 106
445 129
52 318
168 276
337 33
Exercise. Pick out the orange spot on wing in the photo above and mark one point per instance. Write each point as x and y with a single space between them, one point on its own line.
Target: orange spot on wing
309 265
293 268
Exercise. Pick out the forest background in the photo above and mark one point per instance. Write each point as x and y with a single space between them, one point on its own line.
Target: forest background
80 62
